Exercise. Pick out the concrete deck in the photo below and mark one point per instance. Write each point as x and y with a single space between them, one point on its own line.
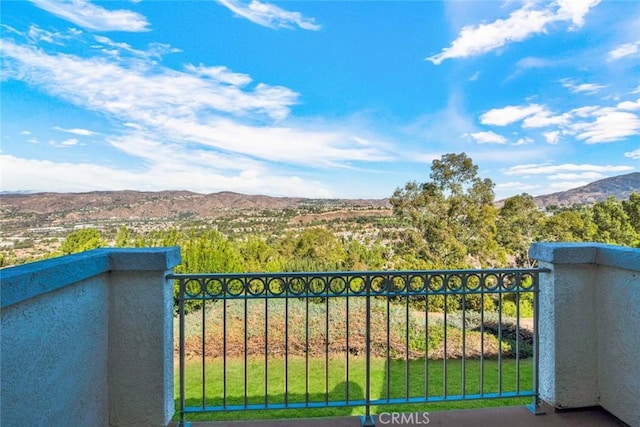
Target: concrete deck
514 416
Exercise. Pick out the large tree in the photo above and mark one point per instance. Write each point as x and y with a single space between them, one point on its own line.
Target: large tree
82 240
453 212
518 225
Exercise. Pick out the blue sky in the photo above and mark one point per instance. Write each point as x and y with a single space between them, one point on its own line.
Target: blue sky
316 98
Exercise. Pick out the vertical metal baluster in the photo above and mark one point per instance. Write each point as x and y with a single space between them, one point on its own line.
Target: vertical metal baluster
286 349
224 352
500 295
266 347
326 348
483 283
388 364
181 297
444 359
204 378
306 334
406 339
426 339
464 336
518 335
347 339
367 392
246 335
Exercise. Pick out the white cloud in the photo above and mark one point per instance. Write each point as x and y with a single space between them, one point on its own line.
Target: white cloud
221 74
592 124
155 50
204 108
76 131
588 88
88 15
542 169
270 16
635 154
544 118
629 105
25 132
609 125
623 50
509 114
64 144
520 25
45 175
524 141
488 137
592 176
552 137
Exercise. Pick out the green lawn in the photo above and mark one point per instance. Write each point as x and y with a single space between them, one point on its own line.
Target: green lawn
336 385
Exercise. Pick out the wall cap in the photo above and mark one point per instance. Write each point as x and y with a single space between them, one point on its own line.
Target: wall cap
587 253
27 281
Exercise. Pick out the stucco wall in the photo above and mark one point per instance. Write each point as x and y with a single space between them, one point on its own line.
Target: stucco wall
54 357
589 319
618 332
87 340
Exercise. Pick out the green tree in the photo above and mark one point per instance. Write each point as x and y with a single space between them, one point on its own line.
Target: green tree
568 226
123 238
612 222
210 252
632 209
82 240
518 225
315 248
453 212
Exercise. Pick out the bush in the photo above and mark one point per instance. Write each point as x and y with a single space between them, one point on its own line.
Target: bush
308 333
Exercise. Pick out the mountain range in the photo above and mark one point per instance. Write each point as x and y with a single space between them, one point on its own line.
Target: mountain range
106 205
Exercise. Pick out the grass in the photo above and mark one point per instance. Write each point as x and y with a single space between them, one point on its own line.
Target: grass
392 372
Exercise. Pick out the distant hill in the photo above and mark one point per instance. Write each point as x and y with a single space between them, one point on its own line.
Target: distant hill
620 187
133 205
106 205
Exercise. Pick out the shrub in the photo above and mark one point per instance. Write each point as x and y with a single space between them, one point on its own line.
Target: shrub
308 333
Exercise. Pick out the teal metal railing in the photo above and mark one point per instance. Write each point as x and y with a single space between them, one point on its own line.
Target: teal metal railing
488 320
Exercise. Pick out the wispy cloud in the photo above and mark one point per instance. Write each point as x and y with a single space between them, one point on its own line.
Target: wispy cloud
112 48
488 137
546 169
64 176
270 16
64 144
192 114
509 114
635 154
588 88
625 49
90 16
520 25
591 124
76 131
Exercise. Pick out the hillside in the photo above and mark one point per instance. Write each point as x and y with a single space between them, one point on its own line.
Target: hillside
620 187
47 209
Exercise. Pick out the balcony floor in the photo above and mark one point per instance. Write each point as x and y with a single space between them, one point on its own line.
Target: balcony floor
514 416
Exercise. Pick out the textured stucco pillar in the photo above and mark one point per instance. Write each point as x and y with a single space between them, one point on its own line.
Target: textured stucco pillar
589 318
87 339
568 346
141 338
